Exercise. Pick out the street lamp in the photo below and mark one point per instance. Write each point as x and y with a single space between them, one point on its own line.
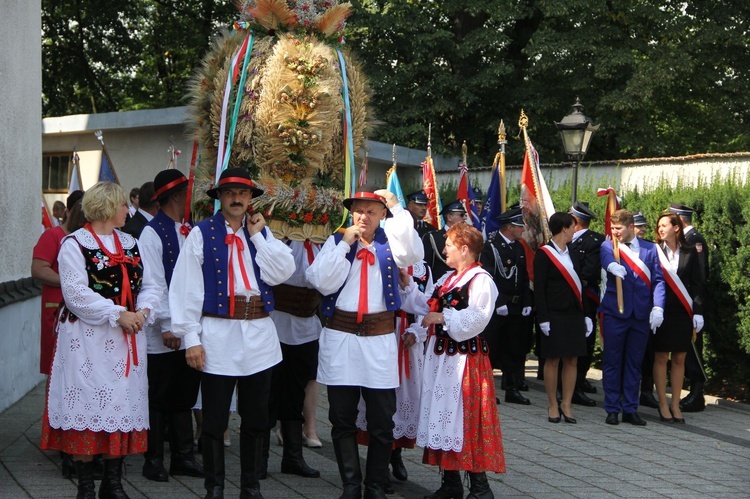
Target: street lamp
576 130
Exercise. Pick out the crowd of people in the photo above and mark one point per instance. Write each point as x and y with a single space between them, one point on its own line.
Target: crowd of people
144 314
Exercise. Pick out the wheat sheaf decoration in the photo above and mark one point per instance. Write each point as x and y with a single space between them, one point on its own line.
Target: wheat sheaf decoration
280 95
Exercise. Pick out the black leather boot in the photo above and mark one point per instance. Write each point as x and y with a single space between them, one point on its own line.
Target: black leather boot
480 488
347 458
292 460
397 463
182 461
111 486
378 458
85 473
251 458
153 467
213 464
450 487
695 401
68 465
264 455
512 394
580 398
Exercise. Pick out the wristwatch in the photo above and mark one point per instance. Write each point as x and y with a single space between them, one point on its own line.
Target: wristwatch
144 314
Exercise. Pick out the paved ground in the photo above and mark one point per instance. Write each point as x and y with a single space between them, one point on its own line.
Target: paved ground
707 457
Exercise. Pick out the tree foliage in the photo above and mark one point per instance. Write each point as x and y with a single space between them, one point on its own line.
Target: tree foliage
662 77
116 56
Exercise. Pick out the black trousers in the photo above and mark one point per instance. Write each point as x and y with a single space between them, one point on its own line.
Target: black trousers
584 362
289 380
647 367
253 392
172 383
509 339
342 412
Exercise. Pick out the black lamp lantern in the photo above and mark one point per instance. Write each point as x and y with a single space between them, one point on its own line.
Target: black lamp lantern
576 130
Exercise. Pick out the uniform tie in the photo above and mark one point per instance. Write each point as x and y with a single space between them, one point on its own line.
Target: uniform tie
235 240
368 258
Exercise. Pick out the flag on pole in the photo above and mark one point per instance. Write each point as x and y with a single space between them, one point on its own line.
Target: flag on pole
536 202
429 182
466 195
393 185
46 218
74 182
492 208
613 204
107 171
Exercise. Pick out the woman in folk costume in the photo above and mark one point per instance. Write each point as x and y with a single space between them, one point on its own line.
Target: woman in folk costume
683 311
559 308
459 426
411 337
98 389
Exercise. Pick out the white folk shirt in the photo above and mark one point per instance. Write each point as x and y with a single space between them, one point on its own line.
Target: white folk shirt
233 347
293 330
151 248
345 358
441 419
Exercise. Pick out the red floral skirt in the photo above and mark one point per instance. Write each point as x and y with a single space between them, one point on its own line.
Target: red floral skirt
90 443
483 440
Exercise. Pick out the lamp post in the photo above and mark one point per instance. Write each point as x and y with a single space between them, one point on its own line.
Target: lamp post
576 130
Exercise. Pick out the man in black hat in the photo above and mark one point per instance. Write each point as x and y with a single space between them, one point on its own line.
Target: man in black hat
509 333
584 251
357 272
434 242
694 401
417 206
640 224
172 384
220 298
147 208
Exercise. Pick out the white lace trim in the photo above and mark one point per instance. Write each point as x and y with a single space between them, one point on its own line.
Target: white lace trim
86 239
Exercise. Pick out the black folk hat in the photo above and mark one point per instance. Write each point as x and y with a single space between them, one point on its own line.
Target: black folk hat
168 182
234 178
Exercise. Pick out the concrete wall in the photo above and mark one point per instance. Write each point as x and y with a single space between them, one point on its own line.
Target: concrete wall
20 190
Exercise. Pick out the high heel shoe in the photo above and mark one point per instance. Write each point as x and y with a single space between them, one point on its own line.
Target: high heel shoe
553 420
566 418
663 419
676 420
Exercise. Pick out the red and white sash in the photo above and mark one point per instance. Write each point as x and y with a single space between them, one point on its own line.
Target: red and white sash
675 283
635 263
566 269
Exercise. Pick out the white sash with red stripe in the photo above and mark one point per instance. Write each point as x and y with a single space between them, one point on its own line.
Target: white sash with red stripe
675 283
565 266
635 263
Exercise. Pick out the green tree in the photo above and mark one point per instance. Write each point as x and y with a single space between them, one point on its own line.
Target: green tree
115 56
664 78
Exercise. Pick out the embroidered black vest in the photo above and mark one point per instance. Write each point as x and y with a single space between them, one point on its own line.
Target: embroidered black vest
457 299
106 280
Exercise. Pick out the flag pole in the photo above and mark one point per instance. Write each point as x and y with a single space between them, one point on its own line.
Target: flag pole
105 151
502 142
611 204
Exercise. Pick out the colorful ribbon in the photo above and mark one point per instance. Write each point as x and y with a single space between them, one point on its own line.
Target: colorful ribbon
368 258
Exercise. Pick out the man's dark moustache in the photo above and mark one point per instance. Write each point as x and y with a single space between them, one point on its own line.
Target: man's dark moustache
236 204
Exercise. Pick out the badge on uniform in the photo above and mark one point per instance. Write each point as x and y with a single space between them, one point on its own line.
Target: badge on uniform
699 247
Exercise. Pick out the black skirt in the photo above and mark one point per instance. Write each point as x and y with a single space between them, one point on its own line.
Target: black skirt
675 334
567 336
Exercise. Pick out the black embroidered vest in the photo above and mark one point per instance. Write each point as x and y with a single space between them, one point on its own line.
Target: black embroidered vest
457 299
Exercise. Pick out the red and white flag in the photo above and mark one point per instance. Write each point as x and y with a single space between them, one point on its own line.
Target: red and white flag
536 203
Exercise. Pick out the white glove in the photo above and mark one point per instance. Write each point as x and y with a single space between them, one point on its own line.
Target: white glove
656 318
502 311
617 270
526 311
698 323
589 326
544 326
